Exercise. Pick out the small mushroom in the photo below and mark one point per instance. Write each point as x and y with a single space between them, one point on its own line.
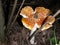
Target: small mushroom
48 23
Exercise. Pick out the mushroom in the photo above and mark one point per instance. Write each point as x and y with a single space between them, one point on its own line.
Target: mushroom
48 23
34 19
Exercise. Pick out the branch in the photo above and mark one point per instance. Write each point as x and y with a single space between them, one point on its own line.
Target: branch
58 19
17 13
14 7
56 14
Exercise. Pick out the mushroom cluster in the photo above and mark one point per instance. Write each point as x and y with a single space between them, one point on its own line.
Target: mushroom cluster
34 19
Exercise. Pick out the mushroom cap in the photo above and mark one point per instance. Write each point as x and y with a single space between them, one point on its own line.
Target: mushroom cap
50 19
29 23
27 12
42 13
48 23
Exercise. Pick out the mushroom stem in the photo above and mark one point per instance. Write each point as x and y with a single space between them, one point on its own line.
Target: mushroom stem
56 14
33 38
35 32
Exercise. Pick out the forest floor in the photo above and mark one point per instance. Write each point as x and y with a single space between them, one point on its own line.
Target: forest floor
17 35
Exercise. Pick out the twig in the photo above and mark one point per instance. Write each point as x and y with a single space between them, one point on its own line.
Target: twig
58 19
56 14
17 13
14 7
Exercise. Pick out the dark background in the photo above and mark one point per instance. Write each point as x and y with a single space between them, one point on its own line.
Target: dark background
53 5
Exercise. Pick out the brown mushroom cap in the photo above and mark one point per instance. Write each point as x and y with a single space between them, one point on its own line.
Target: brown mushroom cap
27 11
42 11
50 19
28 23
48 23
42 14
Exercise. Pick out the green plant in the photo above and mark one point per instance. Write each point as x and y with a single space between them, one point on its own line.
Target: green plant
59 43
53 40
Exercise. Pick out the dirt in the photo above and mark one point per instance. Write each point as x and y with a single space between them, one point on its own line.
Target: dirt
18 35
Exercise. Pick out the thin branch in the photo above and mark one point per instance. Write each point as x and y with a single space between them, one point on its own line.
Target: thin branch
17 13
56 14
58 19
14 7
